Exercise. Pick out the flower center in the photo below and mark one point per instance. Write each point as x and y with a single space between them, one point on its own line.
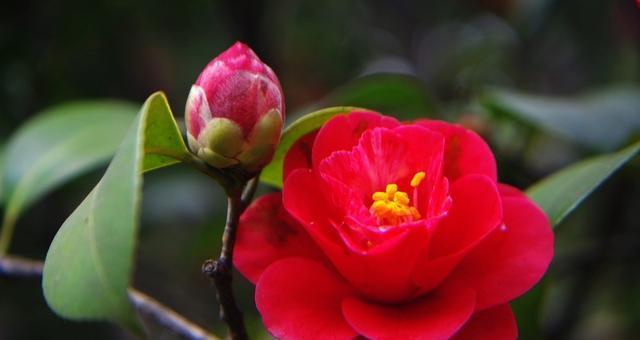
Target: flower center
393 207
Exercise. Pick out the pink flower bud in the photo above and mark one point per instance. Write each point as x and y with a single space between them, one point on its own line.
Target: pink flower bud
235 111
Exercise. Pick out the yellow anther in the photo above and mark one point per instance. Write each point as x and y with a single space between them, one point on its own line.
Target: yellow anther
417 178
378 196
401 198
393 207
391 189
380 207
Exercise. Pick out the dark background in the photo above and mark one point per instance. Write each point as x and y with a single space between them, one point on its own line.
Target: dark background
448 53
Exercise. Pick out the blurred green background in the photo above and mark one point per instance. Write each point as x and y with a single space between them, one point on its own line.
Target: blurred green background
546 82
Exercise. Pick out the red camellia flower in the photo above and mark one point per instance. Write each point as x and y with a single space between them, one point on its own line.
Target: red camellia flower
387 230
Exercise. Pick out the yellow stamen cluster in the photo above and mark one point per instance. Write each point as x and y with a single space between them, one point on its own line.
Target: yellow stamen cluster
393 207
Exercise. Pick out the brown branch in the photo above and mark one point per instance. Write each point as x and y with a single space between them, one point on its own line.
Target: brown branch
14 266
221 270
192 160
167 317
249 191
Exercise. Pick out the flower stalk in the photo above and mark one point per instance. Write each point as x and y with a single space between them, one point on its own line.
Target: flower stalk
221 270
239 193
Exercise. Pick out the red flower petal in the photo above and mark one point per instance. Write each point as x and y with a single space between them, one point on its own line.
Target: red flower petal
376 272
299 155
466 152
301 299
268 233
475 212
306 201
507 190
436 316
512 259
343 132
497 323
383 156
384 274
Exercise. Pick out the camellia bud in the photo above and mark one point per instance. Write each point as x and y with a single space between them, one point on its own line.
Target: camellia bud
235 111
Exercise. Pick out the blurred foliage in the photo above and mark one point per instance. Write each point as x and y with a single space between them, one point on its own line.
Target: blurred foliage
402 96
560 193
518 72
3 156
55 147
603 120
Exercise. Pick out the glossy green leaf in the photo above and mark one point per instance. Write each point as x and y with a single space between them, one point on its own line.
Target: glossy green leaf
601 120
55 146
272 173
90 261
563 191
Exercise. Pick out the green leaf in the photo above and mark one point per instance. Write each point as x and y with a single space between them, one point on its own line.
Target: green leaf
272 173
402 96
561 192
601 120
89 264
55 146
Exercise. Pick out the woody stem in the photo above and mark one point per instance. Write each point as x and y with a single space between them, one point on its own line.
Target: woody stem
221 270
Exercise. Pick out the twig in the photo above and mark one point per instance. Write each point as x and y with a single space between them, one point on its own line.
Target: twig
249 191
195 162
221 271
14 266
167 317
